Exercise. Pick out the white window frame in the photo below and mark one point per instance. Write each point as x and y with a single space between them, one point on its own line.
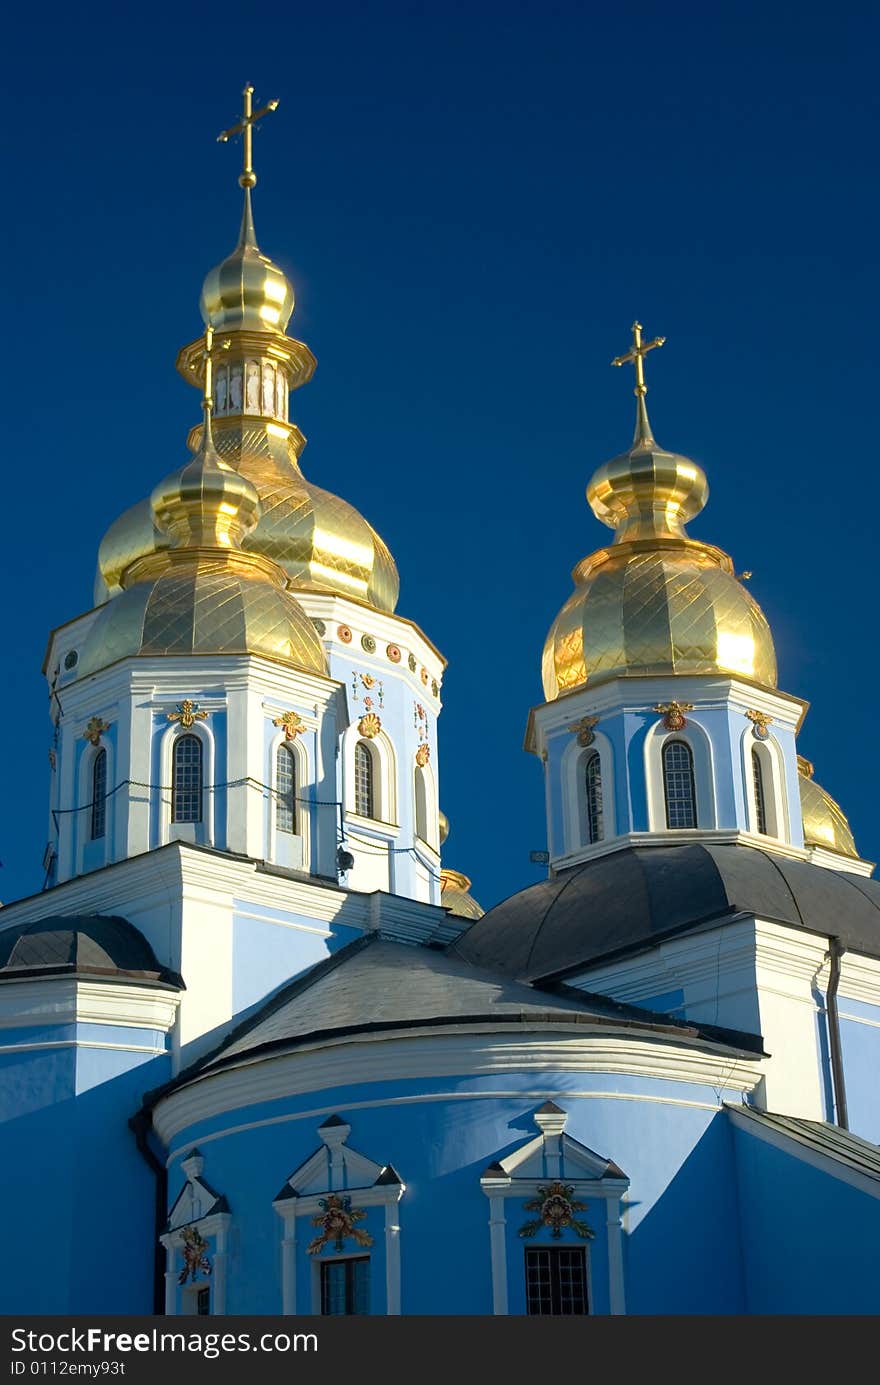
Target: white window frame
385 796
200 832
700 745
303 805
574 793
773 777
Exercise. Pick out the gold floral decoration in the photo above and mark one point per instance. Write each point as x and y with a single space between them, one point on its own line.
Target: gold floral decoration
188 713
95 728
337 1222
556 1206
583 729
195 1255
423 755
369 726
673 714
760 723
291 723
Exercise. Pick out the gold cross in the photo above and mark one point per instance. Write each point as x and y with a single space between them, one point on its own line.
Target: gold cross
636 355
245 127
208 396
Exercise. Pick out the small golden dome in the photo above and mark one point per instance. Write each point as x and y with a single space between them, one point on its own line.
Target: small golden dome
655 601
454 895
825 824
247 291
319 539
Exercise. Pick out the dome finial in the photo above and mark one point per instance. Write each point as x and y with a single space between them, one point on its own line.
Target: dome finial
245 127
636 355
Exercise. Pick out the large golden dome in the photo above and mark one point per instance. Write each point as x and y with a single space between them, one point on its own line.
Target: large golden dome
655 601
825 824
319 539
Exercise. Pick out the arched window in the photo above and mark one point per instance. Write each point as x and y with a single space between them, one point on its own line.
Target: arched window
99 795
760 800
364 781
421 788
285 789
186 780
678 785
593 778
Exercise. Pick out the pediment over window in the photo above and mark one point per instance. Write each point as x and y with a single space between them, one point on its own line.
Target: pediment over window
335 1167
552 1154
196 1199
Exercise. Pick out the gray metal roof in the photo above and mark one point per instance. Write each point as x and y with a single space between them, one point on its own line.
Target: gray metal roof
96 944
632 898
842 1145
373 984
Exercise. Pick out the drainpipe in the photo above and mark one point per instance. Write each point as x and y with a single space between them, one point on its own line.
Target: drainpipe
835 952
140 1125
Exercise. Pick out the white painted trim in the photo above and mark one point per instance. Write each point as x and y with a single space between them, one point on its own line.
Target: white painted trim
616 1295
26 1003
80 1043
84 797
424 774
773 778
385 775
700 745
498 1252
798 1148
468 1051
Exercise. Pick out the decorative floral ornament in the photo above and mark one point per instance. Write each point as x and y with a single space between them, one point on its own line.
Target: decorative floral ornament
423 755
673 714
369 726
411 663
760 722
95 728
195 1255
368 680
583 729
52 758
188 713
424 675
393 653
344 633
337 1222
368 643
556 1206
291 722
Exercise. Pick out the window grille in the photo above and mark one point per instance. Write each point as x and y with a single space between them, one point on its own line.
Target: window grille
345 1286
285 790
186 780
364 774
760 802
678 785
595 823
556 1281
99 795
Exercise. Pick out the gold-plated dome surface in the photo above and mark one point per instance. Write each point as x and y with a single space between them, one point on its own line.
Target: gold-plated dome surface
655 602
247 291
455 896
207 605
656 611
319 539
825 824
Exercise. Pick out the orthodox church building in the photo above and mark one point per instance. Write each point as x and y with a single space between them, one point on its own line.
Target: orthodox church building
260 1049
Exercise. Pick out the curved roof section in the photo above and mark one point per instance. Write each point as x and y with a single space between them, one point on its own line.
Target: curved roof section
632 898
373 985
93 944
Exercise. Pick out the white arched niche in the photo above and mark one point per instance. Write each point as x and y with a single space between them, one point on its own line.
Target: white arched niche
573 767
696 739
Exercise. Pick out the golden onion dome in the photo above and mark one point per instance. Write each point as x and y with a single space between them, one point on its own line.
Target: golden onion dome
825 824
454 896
655 601
247 292
317 538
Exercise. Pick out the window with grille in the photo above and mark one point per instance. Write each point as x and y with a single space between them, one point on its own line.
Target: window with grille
345 1286
593 771
556 1281
186 780
203 1303
364 775
99 795
678 785
285 789
760 801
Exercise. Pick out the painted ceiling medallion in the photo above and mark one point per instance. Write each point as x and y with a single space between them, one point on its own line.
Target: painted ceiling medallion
369 726
337 1222
195 1255
673 714
188 713
291 723
583 729
556 1206
760 724
423 755
95 728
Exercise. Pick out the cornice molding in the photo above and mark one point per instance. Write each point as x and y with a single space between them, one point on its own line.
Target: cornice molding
72 1000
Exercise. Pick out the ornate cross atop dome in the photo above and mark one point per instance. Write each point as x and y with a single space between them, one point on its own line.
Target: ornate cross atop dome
636 356
245 128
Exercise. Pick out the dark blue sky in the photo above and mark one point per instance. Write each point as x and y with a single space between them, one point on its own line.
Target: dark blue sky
473 201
